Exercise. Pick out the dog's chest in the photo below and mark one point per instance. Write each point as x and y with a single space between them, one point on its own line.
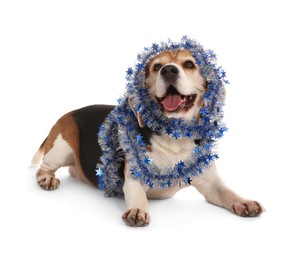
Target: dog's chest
166 152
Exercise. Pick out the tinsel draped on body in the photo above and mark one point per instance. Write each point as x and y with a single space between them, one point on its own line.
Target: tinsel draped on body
120 133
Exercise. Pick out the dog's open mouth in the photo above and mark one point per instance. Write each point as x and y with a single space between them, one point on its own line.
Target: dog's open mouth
173 101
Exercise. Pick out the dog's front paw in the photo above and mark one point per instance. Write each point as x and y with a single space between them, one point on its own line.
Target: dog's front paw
48 182
247 208
136 218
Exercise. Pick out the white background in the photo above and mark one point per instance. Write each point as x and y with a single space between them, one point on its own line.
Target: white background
56 56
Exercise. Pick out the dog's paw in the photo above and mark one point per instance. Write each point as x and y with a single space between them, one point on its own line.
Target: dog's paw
48 182
247 208
136 218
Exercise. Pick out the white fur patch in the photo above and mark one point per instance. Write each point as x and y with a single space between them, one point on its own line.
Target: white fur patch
59 155
167 152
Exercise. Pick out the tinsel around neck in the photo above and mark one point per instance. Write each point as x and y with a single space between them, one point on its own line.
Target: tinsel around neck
120 134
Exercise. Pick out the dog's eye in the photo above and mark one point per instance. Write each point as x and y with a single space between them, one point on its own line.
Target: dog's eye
189 64
157 67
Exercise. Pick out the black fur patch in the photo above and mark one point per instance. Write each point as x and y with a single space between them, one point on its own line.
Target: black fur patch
88 120
146 133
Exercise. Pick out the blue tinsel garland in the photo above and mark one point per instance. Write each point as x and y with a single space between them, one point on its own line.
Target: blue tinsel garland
119 134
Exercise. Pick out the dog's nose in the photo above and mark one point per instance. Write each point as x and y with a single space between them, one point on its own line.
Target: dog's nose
169 72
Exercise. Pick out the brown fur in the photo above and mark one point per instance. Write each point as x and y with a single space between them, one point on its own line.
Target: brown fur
70 133
178 57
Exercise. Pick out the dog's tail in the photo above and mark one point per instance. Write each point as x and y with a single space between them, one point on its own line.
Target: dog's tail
39 154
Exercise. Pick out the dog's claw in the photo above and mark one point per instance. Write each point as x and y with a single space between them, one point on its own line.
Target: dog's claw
136 218
48 182
247 208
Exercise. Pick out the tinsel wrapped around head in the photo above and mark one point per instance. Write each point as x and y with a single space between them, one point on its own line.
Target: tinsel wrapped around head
120 133
152 115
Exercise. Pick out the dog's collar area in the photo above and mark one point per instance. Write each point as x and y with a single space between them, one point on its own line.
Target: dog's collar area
123 123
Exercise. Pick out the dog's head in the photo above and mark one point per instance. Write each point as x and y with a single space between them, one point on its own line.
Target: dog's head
176 84
177 89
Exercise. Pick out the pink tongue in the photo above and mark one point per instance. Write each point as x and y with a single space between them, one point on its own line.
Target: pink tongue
171 102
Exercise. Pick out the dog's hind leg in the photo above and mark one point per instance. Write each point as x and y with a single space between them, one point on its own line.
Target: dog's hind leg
59 151
59 155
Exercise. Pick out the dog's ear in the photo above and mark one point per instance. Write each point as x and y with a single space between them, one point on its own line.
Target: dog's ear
138 116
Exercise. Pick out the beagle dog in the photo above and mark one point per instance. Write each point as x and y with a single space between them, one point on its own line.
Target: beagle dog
175 83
